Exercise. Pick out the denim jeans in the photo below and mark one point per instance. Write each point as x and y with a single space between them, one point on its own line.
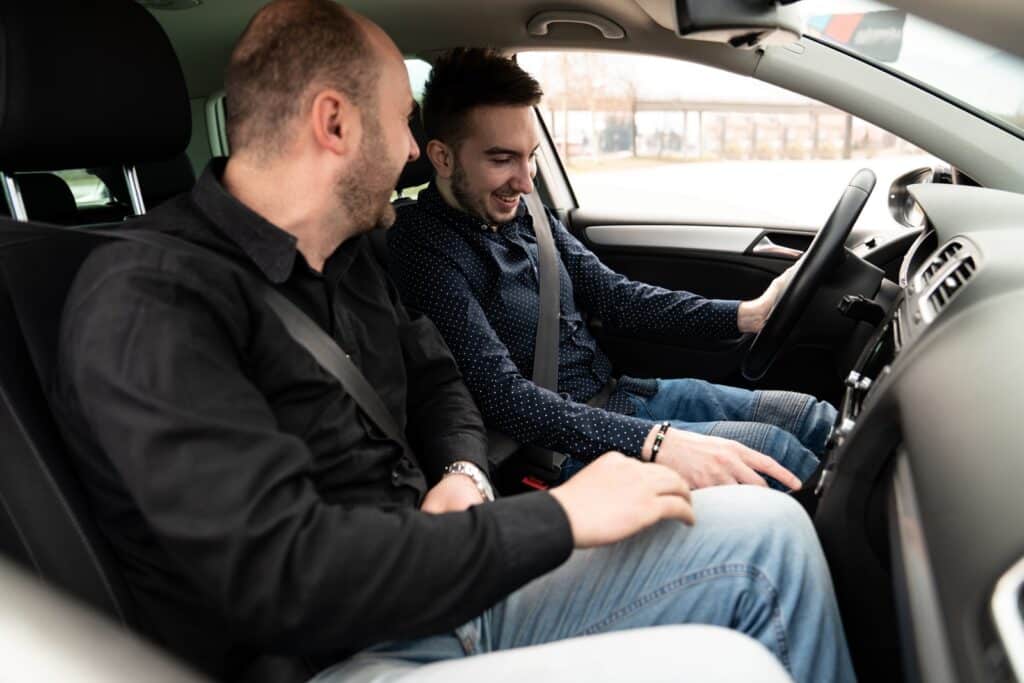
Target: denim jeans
751 563
790 427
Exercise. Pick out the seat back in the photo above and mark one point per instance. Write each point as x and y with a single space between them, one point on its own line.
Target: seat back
45 522
137 112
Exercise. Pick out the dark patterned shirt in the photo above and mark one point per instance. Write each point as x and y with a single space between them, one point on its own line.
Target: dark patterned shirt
481 288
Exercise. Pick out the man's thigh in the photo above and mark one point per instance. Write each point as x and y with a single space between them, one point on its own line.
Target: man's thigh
668 574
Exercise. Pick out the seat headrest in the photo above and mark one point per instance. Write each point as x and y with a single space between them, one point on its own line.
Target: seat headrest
159 180
47 198
87 83
421 171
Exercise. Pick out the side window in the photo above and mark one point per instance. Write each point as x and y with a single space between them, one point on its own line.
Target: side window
675 138
88 189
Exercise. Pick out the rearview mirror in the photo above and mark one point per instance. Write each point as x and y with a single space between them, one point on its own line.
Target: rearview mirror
740 23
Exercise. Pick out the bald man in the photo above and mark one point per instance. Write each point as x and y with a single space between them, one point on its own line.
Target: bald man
255 509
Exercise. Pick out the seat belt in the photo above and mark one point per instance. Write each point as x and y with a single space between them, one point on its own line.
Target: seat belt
545 347
300 327
543 466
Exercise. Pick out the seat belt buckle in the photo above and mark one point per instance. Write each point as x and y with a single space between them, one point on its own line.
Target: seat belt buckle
535 483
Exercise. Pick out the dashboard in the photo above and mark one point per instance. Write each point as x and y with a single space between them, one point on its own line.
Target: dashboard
922 510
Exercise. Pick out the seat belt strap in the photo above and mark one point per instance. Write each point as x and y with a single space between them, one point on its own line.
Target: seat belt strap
300 327
545 348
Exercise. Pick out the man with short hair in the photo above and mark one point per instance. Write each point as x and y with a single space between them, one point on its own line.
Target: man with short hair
254 507
466 255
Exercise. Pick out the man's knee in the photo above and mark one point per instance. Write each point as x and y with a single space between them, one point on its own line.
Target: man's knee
754 518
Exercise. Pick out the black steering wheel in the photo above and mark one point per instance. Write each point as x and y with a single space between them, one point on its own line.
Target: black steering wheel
821 258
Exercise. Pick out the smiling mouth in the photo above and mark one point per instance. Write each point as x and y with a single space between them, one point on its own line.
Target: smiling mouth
508 201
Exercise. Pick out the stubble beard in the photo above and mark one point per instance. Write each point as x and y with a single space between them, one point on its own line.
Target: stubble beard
365 190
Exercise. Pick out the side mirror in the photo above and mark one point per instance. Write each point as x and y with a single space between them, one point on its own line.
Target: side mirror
740 23
902 206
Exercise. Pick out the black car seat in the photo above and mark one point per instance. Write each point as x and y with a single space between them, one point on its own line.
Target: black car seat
135 110
159 180
46 197
138 112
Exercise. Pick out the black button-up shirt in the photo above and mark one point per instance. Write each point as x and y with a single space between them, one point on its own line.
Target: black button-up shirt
481 288
253 507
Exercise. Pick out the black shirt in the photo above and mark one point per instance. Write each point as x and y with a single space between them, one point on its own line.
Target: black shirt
253 507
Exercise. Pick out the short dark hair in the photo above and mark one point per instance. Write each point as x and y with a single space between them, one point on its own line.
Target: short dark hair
289 46
466 78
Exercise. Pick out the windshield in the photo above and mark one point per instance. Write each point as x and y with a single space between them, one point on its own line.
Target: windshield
982 77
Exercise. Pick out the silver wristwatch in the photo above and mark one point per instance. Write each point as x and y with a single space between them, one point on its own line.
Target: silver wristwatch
483 484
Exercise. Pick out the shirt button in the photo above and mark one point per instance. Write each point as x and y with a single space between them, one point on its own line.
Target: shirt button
394 477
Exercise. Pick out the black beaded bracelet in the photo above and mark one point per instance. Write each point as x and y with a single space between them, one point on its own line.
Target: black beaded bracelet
658 438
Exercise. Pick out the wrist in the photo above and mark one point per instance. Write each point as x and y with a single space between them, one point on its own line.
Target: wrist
750 315
469 470
654 443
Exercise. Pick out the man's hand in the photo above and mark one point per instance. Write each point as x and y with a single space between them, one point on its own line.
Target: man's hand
713 461
614 497
753 314
454 493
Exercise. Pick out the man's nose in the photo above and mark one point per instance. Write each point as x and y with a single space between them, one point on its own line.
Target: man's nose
523 179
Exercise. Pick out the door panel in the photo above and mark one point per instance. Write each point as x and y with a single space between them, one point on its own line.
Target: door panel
714 261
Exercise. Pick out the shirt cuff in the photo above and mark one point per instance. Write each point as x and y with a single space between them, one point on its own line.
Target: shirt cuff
724 319
444 450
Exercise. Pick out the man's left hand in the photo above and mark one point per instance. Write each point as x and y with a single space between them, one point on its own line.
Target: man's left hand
754 313
454 493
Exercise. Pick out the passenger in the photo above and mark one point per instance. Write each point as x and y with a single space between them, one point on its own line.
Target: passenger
465 255
255 509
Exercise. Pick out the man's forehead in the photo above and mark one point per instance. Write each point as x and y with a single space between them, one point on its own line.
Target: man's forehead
507 127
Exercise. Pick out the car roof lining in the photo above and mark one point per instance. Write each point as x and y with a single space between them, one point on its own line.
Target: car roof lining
203 36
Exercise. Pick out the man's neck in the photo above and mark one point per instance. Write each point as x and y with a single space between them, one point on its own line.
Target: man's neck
291 200
444 187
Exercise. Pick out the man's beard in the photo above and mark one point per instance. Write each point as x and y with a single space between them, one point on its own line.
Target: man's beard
365 190
460 191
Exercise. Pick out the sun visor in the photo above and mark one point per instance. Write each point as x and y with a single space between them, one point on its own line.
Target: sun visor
740 23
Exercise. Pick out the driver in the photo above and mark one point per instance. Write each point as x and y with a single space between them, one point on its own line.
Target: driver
466 255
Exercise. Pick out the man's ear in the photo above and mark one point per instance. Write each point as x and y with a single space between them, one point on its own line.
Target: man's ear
336 122
442 157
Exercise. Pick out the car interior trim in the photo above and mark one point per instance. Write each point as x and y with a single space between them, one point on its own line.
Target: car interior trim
702 237
926 618
1006 613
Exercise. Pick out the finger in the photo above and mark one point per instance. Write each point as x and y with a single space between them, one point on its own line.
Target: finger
766 465
746 475
674 507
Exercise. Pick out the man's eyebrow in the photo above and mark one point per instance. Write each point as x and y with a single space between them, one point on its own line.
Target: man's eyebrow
495 151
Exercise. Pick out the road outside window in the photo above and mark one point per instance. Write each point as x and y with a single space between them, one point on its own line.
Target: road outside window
663 136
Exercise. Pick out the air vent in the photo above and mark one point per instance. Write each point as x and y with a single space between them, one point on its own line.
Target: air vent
944 276
941 259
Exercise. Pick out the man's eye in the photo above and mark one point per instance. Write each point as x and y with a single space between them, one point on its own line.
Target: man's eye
502 160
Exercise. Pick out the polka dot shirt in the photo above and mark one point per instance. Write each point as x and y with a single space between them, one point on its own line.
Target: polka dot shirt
480 287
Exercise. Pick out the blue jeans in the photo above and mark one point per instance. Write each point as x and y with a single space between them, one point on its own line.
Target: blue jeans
751 563
790 427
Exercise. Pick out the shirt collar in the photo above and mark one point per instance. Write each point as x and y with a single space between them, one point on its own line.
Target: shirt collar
430 199
272 249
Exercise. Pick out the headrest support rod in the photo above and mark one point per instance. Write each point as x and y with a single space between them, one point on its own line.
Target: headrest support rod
131 179
14 199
